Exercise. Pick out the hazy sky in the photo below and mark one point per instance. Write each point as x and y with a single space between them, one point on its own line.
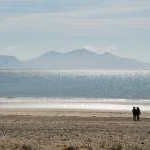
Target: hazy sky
29 28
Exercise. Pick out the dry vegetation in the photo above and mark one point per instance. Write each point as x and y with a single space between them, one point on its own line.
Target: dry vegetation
73 133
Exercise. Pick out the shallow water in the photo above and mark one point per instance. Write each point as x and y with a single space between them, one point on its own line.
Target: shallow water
74 104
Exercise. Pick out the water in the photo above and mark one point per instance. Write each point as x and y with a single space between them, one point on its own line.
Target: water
86 84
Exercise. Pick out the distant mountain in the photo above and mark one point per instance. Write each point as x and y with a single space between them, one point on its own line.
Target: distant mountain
8 61
76 59
84 59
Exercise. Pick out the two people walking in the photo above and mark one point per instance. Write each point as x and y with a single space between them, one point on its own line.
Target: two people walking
136 113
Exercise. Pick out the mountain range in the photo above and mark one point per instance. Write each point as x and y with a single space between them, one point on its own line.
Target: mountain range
76 59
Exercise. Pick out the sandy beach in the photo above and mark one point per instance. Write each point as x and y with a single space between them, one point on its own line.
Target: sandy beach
72 129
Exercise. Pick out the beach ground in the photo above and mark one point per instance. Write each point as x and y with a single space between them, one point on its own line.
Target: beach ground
72 130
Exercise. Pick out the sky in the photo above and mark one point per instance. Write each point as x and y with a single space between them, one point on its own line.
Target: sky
29 28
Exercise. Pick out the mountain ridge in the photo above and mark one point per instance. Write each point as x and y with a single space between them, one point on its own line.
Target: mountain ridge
75 59
85 59
8 61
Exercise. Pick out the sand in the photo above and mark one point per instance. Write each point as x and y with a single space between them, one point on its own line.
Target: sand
45 129
80 125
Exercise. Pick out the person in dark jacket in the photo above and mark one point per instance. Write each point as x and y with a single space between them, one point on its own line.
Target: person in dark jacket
134 112
138 113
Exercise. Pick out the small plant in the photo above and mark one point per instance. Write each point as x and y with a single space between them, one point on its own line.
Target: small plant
69 147
27 147
116 147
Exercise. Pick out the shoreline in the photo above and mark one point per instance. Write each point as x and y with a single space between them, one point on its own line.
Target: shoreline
70 113
51 104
